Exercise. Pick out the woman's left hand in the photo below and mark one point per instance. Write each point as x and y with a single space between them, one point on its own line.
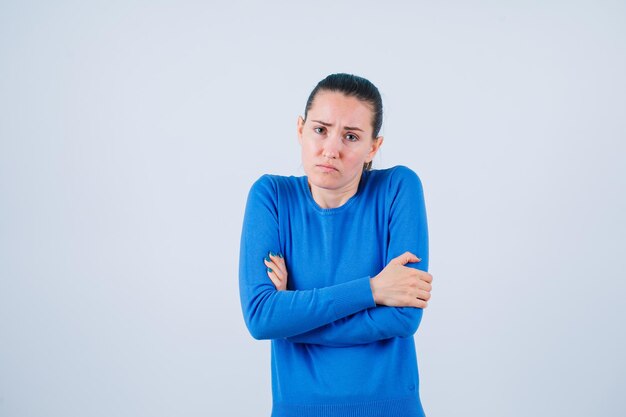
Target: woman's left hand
276 270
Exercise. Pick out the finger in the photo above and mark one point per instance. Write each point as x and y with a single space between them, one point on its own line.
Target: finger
425 276
275 269
405 258
279 261
277 258
423 295
420 303
273 277
423 285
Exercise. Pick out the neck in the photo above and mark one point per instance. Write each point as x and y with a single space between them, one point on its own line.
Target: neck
326 198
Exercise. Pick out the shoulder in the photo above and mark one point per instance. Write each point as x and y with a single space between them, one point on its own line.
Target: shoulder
401 189
396 178
275 182
270 186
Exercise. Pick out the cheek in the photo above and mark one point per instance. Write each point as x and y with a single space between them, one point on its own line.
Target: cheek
357 156
308 150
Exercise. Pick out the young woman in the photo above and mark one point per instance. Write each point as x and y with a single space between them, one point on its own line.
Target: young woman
333 265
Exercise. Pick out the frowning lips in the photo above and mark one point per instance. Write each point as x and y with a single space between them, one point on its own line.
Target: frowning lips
327 167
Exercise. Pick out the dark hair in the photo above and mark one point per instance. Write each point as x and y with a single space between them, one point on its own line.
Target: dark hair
352 86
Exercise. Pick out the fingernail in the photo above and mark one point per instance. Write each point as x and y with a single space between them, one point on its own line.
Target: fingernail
272 253
268 259
419 259
280 255
269 270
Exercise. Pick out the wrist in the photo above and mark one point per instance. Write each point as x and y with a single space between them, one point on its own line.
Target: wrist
374 288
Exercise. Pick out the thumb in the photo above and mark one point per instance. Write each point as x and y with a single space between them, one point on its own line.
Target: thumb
405 258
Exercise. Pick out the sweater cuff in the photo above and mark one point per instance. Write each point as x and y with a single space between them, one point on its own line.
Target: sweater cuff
352 297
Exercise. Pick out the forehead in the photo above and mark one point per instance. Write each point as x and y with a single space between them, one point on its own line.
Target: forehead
337 108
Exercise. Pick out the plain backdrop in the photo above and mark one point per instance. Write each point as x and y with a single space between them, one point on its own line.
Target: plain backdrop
130 133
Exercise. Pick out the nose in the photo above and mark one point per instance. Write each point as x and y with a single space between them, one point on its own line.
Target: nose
332 147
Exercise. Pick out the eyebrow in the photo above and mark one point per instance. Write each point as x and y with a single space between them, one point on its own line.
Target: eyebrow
330 124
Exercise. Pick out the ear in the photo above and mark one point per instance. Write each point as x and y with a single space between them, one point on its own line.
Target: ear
300 128
376 144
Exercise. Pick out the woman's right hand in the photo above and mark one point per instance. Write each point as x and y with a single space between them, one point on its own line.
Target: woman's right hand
398 285
277 270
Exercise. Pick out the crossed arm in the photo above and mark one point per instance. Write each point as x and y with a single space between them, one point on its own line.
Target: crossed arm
374 323
361 311
272 314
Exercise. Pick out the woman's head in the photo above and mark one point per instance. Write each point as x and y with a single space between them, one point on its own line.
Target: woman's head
352 86
339 130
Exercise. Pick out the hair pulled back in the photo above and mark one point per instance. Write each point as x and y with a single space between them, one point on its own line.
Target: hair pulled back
352 86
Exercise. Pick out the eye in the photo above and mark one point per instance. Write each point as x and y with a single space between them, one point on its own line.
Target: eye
352 138
318 130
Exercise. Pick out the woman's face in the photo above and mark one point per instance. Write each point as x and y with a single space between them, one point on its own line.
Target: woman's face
336 140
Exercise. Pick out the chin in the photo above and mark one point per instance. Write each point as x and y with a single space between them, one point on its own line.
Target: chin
325 180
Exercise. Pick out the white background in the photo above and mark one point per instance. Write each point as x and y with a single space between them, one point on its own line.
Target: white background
130 133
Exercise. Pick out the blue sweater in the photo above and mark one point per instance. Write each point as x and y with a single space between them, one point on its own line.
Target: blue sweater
334 351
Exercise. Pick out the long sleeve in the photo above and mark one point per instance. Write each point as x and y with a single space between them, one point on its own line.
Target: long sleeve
408 231
272 314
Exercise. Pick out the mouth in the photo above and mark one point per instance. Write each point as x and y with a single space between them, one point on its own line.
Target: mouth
326 168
